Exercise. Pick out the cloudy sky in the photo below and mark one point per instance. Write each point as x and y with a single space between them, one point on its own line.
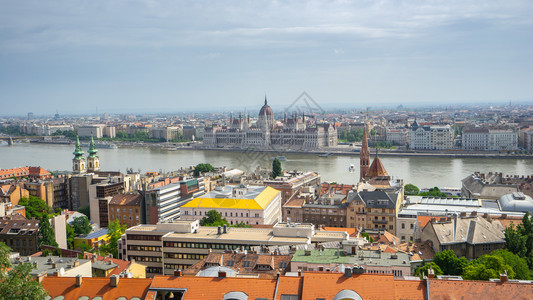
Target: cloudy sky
168 56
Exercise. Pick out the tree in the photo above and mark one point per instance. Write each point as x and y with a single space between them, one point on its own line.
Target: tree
85 210
241 225
433 192
18 283
35 207
518 263
71 234
519 239
214 218
81 225
423 270
46 233
486 267
367 236
449 263
202 168
115 232
411 189
276 168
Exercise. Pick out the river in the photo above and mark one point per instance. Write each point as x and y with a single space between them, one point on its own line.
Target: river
421 171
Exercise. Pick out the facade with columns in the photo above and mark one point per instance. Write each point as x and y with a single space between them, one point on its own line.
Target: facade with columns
294 133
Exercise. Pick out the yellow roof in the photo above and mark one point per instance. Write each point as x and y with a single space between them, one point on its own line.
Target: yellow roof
260 202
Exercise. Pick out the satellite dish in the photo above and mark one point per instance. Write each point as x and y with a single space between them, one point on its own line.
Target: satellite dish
62 271
130 275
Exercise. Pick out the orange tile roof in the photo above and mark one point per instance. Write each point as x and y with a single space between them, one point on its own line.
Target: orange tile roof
454 289
423 220
289 286
351 231
92 287
122 264
327 285
217 287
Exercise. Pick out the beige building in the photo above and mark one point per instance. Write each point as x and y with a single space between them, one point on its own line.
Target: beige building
166 247
252 205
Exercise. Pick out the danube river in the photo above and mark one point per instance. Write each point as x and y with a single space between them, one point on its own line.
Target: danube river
421 171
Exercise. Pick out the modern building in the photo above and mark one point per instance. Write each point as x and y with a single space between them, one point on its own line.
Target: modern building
246 204
163 199
295 133
126 208
20 234
166 247
431 137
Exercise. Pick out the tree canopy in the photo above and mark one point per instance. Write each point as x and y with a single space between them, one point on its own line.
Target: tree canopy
214 218
276 168
81 225
411 189
18 283
486 267
519 239
46 233
203 168
35 207
423 270
115 232
449 263
434 192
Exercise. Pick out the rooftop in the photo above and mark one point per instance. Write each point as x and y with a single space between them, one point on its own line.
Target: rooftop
249 197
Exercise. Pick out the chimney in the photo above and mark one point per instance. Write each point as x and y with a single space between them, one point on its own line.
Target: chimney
225 228
222 274
300 273
76 263
177 273
504 277
79 279
348 272
463 214
40 276
431 273
113 281
93 258
219 230
473 214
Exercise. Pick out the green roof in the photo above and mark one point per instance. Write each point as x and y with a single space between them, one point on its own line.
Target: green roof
77 151
325 256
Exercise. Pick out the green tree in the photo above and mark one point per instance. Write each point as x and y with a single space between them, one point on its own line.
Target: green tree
85 210
276 168
433 192
35 207
214 218
449 263
367 236
85 248
241 225
486 267
81 225
121 135
423 270
518 263
18 283
519 239
71 234
411 189
202 168
115 232
46 233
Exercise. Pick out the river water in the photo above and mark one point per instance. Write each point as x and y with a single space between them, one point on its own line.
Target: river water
421 171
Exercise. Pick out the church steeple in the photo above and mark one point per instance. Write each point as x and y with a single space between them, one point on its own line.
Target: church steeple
266 103
78 162
93 162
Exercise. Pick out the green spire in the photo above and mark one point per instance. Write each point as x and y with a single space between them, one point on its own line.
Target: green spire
92 149
78 153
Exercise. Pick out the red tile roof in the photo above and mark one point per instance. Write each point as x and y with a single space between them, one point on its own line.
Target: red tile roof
92 287
454 289
122 264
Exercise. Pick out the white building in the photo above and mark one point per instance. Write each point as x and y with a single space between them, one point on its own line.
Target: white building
431 137
397 136
250 205
491 139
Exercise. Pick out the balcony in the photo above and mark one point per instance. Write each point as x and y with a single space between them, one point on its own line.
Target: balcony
380 221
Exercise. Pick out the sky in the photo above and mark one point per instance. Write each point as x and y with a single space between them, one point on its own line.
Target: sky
74 56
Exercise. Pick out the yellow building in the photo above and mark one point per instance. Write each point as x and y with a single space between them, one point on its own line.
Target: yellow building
94 239
250 205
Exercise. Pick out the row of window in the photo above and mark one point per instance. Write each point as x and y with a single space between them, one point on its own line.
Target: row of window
185 256
17 242
226 214
146 259
124 217
123 210
176 267
144 237
144 248
157 270
206 246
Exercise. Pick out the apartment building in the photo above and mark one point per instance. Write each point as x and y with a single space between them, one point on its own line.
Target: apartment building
165 247
126 209
20 234
397 136
238 204
163 199
431 137
489 139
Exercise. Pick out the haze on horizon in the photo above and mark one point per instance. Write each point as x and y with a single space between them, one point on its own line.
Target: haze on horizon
74 56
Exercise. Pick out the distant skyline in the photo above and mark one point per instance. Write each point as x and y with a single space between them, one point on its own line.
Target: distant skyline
172 56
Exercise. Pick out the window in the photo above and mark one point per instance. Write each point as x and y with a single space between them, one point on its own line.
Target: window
412 226
131 210
403 225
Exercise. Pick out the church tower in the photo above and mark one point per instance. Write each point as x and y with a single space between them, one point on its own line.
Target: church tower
364 155
93 162
78 162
